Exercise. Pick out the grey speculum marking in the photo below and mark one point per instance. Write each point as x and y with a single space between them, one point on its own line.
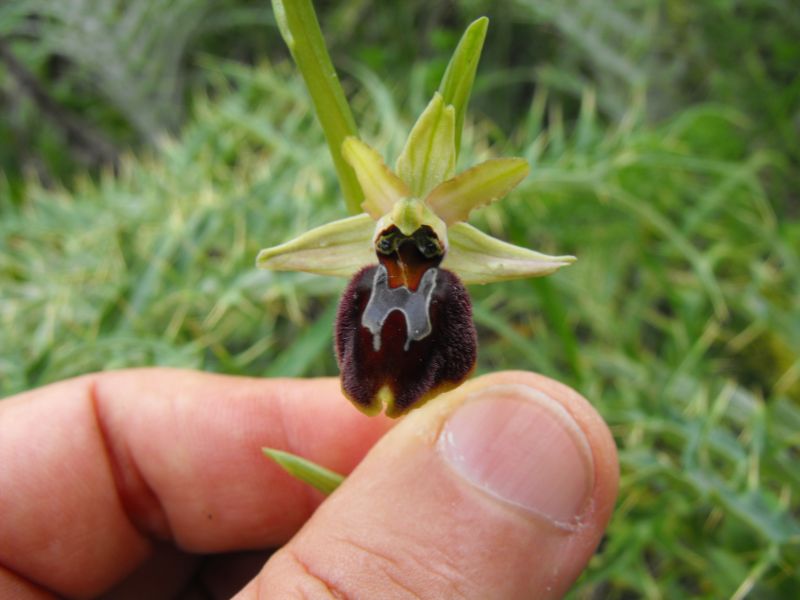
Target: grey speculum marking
414 306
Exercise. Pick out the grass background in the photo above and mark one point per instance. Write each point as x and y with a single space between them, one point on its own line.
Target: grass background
663 137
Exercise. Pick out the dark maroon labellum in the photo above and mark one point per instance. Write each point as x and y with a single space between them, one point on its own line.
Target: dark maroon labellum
403 339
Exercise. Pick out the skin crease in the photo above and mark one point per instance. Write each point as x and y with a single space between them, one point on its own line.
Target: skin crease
117 476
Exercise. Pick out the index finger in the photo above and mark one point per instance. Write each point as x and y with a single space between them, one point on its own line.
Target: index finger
94 469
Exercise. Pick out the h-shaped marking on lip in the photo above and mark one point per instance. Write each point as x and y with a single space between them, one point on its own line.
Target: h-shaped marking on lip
414 306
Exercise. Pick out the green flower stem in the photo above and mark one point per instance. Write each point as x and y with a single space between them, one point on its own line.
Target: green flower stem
300 29
311 473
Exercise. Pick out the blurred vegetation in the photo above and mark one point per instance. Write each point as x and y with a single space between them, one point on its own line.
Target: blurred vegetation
149 148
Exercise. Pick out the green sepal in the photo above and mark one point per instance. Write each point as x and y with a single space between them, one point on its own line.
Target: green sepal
382 188
455 198
325 480
456 85
338 248
480 258
429 156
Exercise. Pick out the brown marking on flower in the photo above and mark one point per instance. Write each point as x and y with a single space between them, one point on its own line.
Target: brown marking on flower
406 258
406 266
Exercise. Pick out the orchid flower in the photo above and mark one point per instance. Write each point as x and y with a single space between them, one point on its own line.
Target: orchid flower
404 330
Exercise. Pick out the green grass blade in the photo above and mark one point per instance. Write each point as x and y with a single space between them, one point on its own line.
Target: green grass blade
306 471
558 318
297 360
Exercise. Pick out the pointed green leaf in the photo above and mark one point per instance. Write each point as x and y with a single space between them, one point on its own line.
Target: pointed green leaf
429 156
382 188
299 27
456 85
480 258
325 480
454 199
338 248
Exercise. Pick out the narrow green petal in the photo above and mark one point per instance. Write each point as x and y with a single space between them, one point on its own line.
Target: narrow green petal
457 81
454 199
339 248
325 480
382 188
480 258
429 156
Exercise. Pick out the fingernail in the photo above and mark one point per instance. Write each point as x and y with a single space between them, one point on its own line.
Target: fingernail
518 444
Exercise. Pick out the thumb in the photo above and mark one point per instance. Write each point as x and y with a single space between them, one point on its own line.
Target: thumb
501 488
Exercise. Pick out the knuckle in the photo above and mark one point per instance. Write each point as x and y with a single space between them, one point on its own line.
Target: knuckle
400 571
304 582
355 569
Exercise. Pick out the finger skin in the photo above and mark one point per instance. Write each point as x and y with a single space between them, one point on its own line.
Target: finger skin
14 586
404 526
96 468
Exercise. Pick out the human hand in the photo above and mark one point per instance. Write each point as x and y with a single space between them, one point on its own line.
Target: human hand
118 483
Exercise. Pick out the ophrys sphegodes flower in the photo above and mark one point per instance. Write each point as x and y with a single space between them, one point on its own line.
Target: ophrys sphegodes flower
404 329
